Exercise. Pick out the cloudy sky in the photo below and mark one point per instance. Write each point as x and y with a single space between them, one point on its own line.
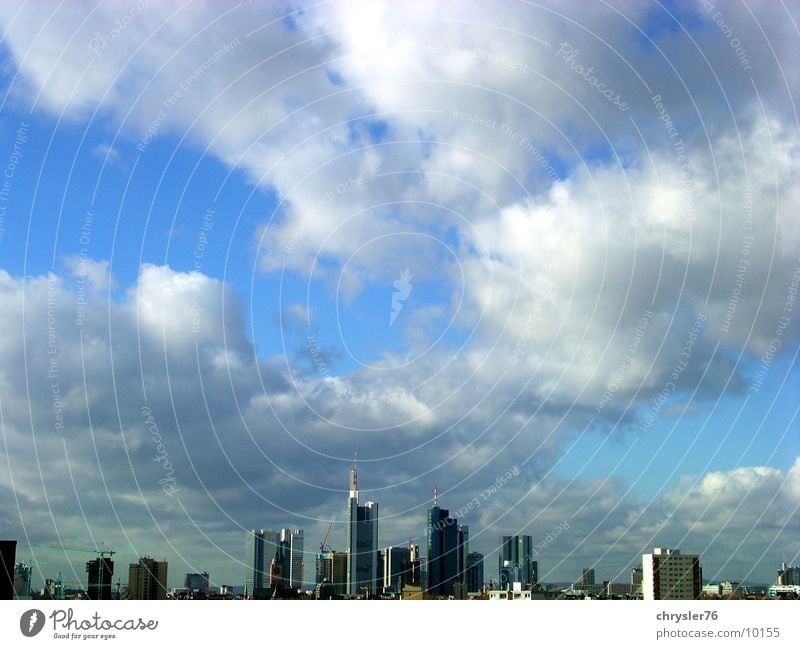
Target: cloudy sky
242 242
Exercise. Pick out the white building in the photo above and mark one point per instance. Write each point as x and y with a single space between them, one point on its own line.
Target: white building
668 574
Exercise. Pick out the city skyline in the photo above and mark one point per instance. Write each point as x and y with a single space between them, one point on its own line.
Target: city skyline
542 260
447 543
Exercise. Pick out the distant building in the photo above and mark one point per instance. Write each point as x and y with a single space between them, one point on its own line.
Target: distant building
332 566
510 574
514 594
147 579
614 590
397 569
291 547
668 574
730 589
587 577
98 578
8 559
446 545
636 581
474 572
324 590
788 575
261 547
196 582
518 551
22 580
362 543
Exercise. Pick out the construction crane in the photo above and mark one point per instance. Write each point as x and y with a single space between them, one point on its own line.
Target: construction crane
104 571
322 542
101 553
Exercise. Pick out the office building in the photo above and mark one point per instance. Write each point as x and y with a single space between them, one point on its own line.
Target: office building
397 569
261 549
332 567
8 559
362 543
292 561
22 580
614 590
587 577
636 581
98 578
788 575
446 545
518 551
196 582
669 574
147 579
474 572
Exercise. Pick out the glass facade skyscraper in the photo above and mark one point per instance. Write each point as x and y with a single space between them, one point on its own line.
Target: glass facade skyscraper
362 543
518 551
448 545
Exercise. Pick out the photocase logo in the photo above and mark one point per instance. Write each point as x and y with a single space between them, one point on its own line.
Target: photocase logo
31 622
402 290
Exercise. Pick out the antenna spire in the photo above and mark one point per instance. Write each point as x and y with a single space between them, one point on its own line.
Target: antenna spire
435 496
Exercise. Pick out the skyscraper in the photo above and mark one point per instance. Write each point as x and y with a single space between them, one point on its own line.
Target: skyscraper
447 542
668 574
397 569
474 572
788 575
332 566
261 547
147 579
518 551
98 577
196 582
362 542
293 563
22 580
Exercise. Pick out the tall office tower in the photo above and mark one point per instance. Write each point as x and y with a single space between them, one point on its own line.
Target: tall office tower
261 548
291 551
587 577
518 551
147 579
788 575
362 542
668 574
443 550
339 572
98 578
8 558
415 575
323 563
397 569
463 551
474 572
22 581
332 566
196 582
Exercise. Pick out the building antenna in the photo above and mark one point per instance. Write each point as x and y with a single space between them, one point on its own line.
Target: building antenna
435 496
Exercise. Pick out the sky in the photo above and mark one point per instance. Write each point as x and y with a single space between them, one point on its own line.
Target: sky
542 256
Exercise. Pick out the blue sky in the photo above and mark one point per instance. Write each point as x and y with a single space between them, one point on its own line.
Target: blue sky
245 259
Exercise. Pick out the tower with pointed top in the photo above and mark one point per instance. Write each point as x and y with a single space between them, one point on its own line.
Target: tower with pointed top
448 546
362 542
